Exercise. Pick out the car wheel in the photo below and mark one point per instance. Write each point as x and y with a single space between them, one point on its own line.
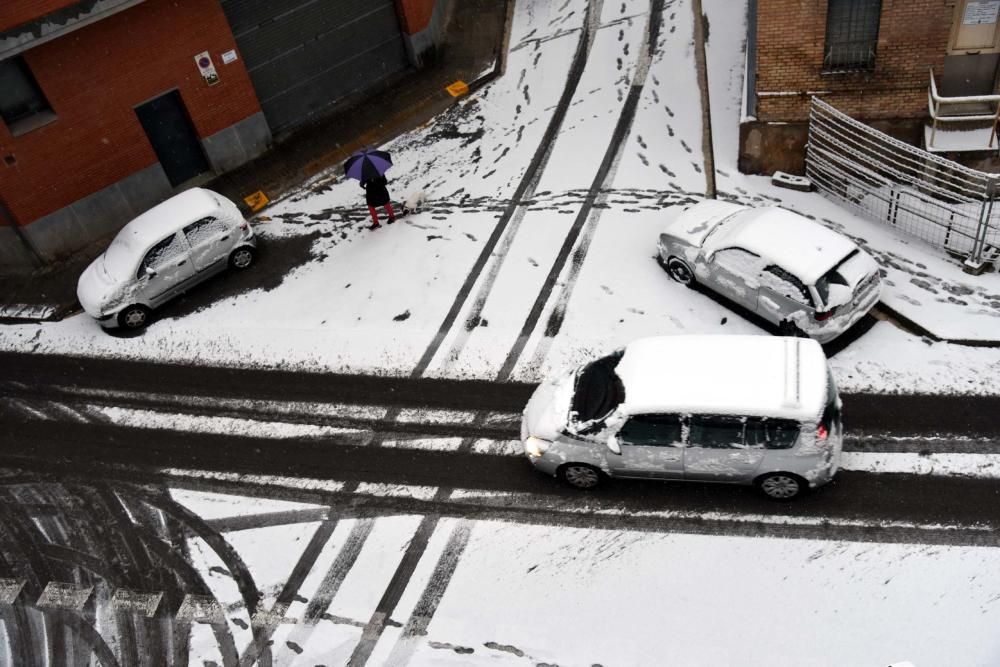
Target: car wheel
789 328
580 475
133 317
781 485
679 270
242 258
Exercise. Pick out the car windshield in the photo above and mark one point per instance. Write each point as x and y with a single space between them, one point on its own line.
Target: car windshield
598 390
119 259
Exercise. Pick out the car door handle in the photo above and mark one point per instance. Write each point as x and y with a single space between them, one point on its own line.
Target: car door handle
182 262
225 238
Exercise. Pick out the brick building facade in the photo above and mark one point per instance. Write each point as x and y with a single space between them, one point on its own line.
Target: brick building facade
105 109
868 58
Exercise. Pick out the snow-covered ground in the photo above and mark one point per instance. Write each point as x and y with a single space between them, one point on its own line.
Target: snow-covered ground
375 301
486 592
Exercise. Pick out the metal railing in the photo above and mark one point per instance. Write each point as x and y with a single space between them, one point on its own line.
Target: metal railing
977 108
913 190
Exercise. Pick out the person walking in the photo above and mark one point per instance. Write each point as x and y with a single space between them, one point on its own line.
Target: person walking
377 194
368 166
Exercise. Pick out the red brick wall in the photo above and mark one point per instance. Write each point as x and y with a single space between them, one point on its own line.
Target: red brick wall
15 12
414 15
791 35
93 78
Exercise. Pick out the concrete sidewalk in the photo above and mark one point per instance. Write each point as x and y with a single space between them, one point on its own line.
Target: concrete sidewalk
473 50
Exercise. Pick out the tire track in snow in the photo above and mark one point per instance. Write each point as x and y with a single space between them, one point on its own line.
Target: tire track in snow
604 174
528 181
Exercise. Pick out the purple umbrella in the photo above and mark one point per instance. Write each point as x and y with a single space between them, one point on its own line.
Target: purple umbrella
367 164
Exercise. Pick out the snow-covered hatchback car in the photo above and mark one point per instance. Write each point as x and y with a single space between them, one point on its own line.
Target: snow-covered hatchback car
162 253
758 410
795 273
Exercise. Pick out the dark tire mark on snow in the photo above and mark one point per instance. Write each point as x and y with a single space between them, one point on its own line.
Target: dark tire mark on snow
528 181
611 155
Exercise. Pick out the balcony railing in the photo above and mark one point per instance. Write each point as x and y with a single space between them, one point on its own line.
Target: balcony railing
966 109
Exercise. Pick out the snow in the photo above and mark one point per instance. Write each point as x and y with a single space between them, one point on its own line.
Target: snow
367 302
754 375
960 140
575 596
806 248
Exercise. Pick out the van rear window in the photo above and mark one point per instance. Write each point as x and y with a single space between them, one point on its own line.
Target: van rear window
772 433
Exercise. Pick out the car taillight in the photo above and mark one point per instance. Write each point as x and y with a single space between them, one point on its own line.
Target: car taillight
821 431
825 316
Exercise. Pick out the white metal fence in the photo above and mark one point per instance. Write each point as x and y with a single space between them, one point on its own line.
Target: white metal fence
915 191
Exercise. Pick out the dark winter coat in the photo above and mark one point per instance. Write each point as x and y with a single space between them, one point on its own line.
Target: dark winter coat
376 194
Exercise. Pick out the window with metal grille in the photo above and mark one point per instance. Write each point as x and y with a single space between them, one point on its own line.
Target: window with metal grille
851 34
20 97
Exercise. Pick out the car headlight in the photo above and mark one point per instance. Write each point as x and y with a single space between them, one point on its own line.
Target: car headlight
535 447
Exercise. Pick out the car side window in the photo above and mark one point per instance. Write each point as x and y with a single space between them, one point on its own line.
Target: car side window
161 253
204 230
771 433
737 260
717 432
786 284
652 430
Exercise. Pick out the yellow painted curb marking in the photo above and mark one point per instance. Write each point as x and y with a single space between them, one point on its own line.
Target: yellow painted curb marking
458 89
256 201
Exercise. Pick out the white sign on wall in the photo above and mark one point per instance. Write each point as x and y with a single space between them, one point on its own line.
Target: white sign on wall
981 12
207 69
229 57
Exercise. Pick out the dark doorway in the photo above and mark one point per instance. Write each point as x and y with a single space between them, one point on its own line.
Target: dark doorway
172 136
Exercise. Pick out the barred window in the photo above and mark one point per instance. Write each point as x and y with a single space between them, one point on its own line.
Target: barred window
851 34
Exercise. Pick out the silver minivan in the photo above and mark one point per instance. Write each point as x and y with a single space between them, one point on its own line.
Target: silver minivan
754 410
161 254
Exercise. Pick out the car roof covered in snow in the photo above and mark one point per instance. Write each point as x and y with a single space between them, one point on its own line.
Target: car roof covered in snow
802 246
766 376
169 216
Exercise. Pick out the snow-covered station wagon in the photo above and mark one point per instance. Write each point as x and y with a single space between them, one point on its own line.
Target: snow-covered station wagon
795 273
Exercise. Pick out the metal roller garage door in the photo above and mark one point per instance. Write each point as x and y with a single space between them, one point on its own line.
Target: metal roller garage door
303 55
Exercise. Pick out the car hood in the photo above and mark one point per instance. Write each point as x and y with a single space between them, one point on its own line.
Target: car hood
547 412
694 224
96 289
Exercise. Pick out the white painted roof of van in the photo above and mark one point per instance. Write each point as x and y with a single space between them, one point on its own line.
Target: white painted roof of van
794 242
168 216
743 375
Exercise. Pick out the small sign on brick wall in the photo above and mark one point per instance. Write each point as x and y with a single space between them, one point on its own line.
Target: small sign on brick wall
207 69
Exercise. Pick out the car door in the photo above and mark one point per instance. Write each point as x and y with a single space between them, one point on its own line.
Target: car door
718 450
781 295
209 241
733 272
164 270
652 446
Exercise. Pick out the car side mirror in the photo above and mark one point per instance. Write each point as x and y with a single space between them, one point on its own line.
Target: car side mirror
150 272
613 445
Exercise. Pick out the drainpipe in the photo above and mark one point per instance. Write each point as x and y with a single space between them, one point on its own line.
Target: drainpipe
7 218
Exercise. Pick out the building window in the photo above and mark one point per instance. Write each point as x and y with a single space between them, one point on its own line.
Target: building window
851 35
23 107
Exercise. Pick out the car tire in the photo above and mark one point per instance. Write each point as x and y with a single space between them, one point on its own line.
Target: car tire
789 328
679 270
782 486
242 258
133 317
580 475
